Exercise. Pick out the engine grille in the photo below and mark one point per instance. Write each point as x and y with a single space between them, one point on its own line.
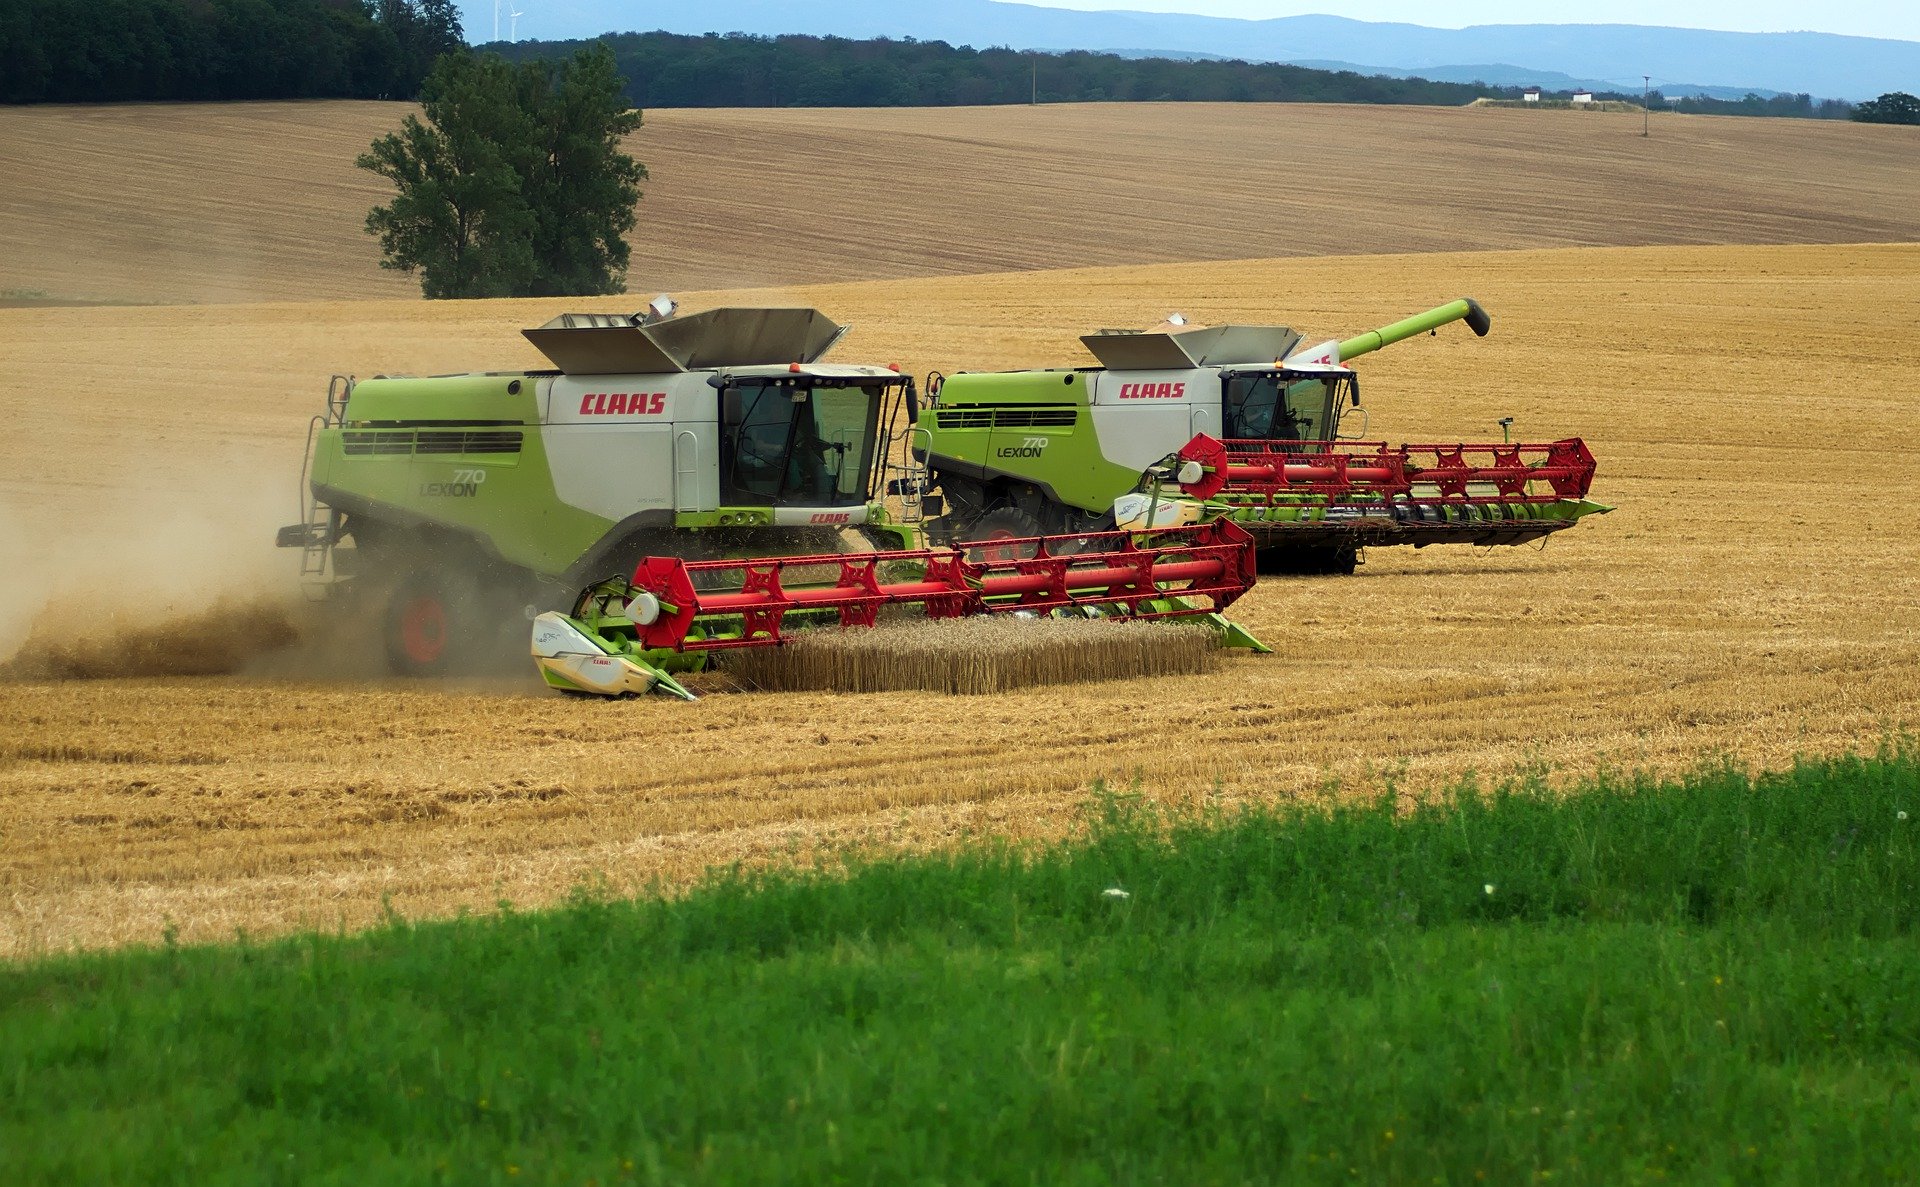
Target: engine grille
1008 416
434 442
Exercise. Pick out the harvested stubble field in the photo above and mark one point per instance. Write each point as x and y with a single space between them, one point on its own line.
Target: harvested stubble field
1752 409
260 201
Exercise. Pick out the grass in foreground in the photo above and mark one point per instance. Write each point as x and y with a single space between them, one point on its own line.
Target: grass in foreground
1711 980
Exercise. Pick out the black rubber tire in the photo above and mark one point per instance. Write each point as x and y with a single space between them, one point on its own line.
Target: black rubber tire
1000 523
1319 561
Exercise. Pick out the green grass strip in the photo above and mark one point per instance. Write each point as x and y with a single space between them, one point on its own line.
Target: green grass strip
1712 980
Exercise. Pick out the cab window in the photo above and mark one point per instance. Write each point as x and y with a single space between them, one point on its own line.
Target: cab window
787 444
1261 408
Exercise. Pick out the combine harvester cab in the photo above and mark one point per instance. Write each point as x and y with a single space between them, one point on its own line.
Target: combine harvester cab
456 506
1022 453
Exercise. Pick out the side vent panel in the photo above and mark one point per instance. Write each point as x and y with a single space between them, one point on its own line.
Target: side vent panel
428 442
1008 416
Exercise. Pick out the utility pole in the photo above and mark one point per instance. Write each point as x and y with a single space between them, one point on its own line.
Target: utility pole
1646 105
1034 101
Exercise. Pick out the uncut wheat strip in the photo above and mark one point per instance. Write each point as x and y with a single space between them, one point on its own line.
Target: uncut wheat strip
975 656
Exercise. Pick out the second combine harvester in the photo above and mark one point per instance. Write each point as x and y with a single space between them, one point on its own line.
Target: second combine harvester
1028 453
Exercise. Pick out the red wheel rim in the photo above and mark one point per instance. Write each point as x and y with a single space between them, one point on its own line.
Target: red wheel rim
1002 553
423 629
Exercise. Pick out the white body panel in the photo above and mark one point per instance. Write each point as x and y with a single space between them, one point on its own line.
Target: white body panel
1327 354
1135 413
560 648
619 445
1137 511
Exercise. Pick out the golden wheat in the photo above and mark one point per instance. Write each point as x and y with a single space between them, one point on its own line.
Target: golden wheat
975 656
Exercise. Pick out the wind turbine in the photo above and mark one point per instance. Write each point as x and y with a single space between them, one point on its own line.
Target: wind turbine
513 25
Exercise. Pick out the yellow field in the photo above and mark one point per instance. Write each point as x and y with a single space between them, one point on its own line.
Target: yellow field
260 201
1752 409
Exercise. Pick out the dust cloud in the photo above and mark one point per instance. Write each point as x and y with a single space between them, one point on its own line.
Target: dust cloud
175 577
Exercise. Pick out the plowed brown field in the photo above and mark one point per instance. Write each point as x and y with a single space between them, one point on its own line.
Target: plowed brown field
1753 410
260 201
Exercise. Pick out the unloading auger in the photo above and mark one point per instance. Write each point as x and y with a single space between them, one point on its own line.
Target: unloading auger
631 636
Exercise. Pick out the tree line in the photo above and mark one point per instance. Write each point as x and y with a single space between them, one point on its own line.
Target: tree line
1894 107
80 51
739 70
100 51
1800 106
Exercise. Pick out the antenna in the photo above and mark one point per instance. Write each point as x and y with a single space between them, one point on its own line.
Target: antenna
513 25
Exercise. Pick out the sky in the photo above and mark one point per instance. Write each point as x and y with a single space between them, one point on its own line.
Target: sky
1898 19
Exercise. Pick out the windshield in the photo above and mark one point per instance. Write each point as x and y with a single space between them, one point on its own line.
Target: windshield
806 443
1267 407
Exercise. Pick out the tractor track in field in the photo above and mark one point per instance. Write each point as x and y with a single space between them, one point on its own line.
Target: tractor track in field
1736 604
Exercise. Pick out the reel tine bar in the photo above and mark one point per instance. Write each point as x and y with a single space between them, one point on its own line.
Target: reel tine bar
1374 470
1161 573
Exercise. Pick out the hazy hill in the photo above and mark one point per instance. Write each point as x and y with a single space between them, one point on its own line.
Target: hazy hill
1823 64
1500 74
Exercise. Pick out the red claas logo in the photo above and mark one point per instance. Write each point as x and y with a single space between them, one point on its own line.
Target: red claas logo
1152 391
623 403
832 517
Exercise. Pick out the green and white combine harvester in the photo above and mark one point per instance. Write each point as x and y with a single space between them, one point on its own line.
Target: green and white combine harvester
694 474
1033 452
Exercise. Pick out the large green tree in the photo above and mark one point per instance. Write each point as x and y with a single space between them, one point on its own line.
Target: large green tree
1894 107
515 183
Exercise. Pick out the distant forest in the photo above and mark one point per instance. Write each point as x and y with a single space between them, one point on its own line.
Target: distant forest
94 51
737 70
1801 106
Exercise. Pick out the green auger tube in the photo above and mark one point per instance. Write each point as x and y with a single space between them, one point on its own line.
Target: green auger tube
1420 323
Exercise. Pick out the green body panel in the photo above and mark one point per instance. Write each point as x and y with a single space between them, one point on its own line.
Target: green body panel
1065 459
458 398
506 500
725 517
